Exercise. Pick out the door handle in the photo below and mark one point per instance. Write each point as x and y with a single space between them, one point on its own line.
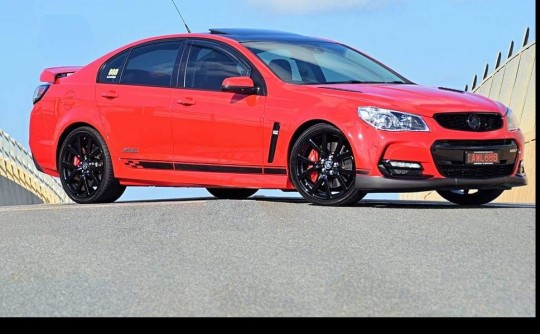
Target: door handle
188 101
110 94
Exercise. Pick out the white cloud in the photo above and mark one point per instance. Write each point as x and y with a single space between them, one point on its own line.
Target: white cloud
310 6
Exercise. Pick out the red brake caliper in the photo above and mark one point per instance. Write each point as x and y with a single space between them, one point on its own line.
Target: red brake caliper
76 161
314 156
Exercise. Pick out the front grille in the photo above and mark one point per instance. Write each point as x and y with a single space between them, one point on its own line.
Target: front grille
476 172
476 122
449 157
474 143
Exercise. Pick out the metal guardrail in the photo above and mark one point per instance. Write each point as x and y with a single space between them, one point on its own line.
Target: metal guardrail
16 164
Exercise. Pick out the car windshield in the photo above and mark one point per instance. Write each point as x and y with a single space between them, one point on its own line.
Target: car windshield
319 62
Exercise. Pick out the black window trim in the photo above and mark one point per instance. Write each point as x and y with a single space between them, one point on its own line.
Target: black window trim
173 83
225 48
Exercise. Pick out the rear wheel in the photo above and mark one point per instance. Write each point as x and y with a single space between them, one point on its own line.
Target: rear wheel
232 193
85 168
470 196
322 167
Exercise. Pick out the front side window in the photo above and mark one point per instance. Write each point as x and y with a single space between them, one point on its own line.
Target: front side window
151 65
207 67
319 62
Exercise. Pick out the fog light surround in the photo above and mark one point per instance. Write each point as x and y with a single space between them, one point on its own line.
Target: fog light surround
521 169
404 164
393 168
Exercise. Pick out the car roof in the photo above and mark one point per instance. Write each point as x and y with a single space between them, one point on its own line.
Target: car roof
256 35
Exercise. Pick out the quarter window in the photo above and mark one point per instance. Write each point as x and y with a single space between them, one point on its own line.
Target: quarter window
151 65
207 67
110 73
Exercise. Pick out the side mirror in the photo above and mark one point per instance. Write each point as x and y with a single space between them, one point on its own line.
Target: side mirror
239 85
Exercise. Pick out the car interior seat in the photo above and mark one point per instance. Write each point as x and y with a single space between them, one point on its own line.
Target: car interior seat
214 70
282 68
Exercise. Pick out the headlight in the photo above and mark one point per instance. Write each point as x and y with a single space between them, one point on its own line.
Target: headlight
390 120
511 120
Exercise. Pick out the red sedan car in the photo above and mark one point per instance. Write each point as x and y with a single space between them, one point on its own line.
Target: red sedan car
237 110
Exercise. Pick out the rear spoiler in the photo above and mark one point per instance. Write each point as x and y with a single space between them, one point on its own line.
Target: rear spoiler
52 73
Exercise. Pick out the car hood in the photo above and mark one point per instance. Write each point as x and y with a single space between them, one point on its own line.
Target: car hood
420 100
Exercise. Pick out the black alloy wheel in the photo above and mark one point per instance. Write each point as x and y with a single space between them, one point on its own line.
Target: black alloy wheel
470 196
86 170
232 193
322 167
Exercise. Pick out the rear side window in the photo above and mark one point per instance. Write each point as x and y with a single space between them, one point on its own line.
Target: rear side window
151 65
110 72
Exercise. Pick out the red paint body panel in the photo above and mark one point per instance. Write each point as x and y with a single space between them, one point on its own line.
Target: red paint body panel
207 131
210 128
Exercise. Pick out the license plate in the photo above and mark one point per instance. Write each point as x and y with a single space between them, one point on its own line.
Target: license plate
482 158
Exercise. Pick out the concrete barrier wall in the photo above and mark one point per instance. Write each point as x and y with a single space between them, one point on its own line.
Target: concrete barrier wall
13 194
16 165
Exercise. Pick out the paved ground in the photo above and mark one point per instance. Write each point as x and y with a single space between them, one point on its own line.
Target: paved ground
265 257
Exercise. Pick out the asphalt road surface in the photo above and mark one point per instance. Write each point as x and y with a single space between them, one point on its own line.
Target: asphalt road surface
267 257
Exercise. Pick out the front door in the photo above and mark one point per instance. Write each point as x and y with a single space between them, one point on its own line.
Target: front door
214 130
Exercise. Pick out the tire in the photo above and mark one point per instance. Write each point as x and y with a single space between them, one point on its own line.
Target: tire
464 197
232 193
322 167
85 168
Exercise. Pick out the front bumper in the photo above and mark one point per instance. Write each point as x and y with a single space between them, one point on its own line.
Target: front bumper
374 184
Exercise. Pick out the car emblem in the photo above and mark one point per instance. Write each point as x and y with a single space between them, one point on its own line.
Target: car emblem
474 122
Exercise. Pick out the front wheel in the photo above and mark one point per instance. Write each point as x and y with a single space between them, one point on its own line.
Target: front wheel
322 167
85 168
470 196
232 193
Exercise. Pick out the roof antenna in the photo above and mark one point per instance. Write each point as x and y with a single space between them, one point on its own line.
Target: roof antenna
178 10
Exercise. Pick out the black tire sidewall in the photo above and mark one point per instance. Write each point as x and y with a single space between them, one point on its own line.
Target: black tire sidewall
481 197
109 189
351 196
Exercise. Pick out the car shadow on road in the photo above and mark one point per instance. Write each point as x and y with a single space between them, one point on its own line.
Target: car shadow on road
404 204
374 203
430 205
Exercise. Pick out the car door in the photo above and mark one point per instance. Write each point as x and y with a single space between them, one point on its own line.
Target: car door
212 127
134 94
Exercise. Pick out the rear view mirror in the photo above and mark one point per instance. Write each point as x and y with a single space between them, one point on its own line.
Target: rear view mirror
239 85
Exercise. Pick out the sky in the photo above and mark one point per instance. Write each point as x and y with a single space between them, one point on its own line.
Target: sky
433 43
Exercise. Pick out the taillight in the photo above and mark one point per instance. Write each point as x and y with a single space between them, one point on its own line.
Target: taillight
40 91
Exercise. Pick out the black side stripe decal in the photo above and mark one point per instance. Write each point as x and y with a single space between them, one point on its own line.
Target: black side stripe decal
156 165
218 169
273 142
204 168
149 164
275 171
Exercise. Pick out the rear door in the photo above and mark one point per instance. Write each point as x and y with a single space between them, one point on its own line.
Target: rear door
133 93
212 127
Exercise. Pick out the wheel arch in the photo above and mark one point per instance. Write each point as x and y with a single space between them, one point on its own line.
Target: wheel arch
66 132
303 127
347 194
